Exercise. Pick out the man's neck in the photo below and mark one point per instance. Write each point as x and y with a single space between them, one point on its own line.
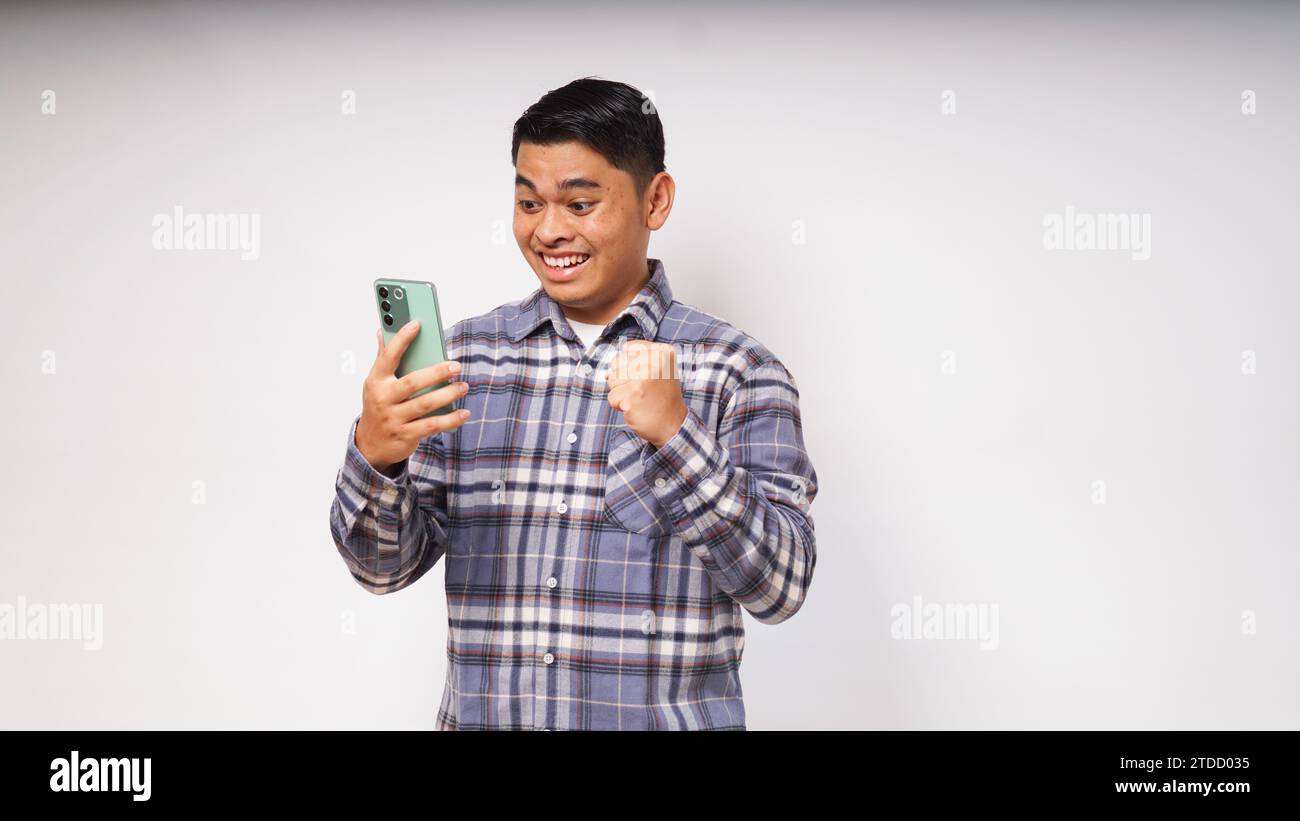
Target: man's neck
603 316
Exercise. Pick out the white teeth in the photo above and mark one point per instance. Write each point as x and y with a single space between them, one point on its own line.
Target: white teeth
565 262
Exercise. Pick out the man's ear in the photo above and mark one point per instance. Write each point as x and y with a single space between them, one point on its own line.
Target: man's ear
659 200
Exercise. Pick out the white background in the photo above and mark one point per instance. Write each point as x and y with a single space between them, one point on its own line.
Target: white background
924 235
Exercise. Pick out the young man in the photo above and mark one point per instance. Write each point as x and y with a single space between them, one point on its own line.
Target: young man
626 474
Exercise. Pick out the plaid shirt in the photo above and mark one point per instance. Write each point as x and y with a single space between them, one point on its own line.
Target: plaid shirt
594 581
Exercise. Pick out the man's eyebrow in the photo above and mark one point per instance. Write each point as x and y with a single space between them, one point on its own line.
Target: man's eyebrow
571 182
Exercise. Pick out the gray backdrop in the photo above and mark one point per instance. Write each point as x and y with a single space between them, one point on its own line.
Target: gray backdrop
1094 450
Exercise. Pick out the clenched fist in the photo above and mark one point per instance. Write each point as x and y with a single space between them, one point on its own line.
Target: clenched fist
643 384
392 420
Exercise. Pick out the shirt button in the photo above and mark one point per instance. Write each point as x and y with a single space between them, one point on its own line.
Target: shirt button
661 482
551 582
572 437
561 507
584 369
548 658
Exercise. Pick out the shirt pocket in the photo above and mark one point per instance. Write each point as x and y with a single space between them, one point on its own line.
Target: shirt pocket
630 501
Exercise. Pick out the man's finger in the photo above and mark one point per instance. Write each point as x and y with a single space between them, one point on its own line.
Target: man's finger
658 361
616 397
640 360
377 367
392 355
421 428
418 406
424 377
667 361
617 369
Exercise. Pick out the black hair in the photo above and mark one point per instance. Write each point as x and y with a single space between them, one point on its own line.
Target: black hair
614 119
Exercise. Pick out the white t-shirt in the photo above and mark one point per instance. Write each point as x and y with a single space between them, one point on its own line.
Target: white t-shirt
587 333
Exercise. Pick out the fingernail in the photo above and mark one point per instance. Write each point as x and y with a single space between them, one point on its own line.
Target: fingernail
464 414
413 323
453 367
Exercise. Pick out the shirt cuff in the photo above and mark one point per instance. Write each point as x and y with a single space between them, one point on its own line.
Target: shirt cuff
364 479
688 471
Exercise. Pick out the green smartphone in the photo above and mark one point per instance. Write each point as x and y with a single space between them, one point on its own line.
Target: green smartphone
401 300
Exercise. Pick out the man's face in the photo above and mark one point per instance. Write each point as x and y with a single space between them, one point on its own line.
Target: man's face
572 206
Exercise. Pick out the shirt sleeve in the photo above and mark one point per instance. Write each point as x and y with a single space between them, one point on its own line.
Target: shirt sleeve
740 499
390 530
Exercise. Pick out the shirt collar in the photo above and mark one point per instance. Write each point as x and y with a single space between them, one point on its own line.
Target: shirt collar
647 309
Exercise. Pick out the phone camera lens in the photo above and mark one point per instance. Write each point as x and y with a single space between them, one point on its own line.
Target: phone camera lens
385 306
388 320
383 292
397 293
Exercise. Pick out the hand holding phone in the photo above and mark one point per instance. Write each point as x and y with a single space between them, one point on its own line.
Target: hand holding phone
402 405
402 300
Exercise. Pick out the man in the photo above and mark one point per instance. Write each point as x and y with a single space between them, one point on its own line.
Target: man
625 474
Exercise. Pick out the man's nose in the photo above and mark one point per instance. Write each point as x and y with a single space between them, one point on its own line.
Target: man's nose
554 226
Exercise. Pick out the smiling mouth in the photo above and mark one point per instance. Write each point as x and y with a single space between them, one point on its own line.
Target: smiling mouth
563 268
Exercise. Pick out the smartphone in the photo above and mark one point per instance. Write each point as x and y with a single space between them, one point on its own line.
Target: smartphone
401 300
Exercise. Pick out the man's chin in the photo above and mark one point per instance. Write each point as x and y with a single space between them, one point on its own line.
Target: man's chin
573 294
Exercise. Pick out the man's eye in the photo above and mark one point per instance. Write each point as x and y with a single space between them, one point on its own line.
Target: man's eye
586 205
526 204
